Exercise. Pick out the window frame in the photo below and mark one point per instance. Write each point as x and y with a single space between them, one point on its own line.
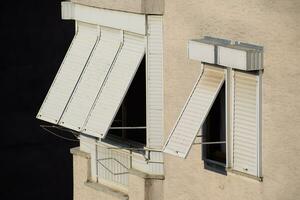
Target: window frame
229 116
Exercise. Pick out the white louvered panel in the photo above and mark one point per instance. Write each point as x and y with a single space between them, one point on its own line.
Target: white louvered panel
69 73
113 166
139 163
194 113
155 82
92 79
245 140
116 86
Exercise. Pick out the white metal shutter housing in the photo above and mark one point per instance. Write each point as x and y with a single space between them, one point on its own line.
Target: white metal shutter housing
116 86
69 73
245 123
155 82
194 112
92 79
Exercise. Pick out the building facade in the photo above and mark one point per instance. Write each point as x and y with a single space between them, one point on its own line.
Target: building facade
181 100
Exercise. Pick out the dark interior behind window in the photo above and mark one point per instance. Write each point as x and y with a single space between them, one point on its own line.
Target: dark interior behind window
214 130
132 112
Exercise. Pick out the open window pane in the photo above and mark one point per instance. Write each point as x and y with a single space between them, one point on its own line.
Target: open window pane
132 112
214 130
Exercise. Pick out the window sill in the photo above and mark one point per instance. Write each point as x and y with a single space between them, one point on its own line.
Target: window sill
231 171
108 190
77 152
144 175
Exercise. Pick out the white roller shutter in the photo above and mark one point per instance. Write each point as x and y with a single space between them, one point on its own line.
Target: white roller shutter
194 112
155 82
92 79
116 85
246 123
69 73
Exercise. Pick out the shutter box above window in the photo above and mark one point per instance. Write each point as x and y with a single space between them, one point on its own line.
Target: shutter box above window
131 22
227 53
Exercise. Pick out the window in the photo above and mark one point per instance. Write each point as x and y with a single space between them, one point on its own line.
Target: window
195 111
207 109
225 104
214 135
129 124
112 68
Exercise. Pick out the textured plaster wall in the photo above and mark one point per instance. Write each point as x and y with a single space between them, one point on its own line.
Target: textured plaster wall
81 167
273 24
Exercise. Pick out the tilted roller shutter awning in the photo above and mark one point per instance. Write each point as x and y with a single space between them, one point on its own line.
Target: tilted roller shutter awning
92 79
116 86
69 73
194 112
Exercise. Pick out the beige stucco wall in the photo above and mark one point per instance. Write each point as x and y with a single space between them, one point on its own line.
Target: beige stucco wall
81 169
273 24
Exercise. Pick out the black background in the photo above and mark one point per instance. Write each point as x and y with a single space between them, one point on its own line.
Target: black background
34 40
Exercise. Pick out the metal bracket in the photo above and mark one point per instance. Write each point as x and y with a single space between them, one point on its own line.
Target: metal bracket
207 143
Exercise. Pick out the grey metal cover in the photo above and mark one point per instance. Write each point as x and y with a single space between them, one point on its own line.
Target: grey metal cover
194 112
92 79
116 86
68 73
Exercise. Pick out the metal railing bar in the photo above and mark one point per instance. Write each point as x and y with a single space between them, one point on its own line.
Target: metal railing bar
207 143
126 128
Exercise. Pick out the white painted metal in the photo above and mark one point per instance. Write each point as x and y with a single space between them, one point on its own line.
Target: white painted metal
195 111
116 86
152 166
240 56
69 73
232 57
201 51
92 79
131 22
113 166
67 10
245 123
232 54
155 82
229 116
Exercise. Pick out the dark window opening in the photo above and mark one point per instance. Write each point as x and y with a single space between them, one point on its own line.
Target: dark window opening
129 125
214 130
